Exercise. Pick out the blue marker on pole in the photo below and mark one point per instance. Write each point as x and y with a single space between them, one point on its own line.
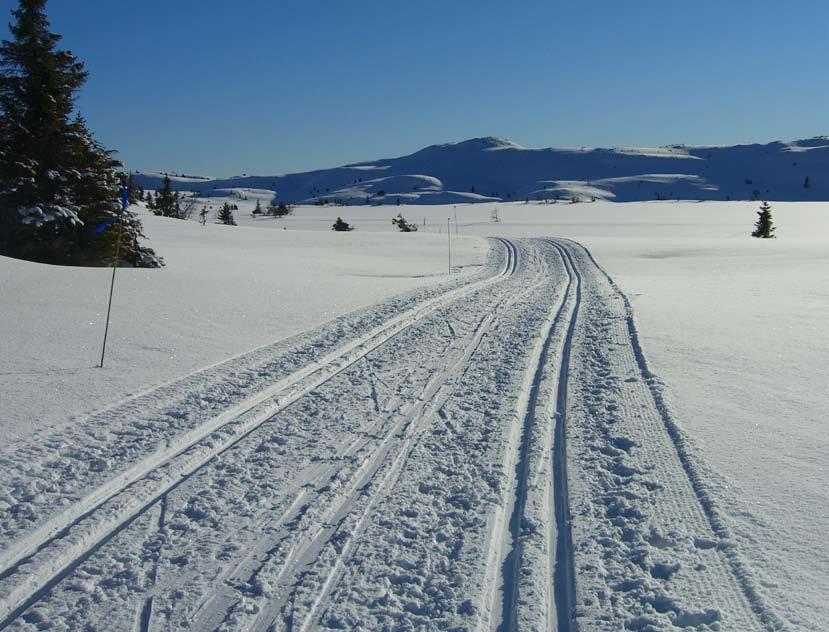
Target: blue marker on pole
104 225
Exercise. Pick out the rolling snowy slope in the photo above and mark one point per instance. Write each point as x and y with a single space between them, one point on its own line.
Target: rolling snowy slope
224 291
488 169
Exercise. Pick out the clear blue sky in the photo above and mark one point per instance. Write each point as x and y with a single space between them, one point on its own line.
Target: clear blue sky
265 87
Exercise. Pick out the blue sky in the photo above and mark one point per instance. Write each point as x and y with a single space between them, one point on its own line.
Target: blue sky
263 87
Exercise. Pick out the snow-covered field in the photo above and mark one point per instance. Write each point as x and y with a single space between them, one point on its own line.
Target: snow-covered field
398 467
224 291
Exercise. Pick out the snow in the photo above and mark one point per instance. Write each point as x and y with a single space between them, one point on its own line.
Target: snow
41 215
224 291
488 169
736 328
733 327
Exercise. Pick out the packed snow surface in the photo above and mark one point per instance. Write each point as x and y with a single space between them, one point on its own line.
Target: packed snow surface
527 444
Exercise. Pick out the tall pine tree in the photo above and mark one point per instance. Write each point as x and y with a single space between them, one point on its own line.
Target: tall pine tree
57 183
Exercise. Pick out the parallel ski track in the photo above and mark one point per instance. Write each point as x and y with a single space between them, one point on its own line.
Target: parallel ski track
167 469
509 561
327 524
369 485
692 467
388 481
393 460
564 577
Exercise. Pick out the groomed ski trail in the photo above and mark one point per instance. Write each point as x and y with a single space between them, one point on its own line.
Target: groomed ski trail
64 540
495 456
524 558
650 552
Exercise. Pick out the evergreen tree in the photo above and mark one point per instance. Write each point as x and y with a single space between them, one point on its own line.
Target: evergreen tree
402 225
59 188
166 200
98 191
341 226
279 210
764 228
134 192
226 215
807 183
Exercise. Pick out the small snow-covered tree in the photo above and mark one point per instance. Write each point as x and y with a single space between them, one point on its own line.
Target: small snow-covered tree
402 225
341 226
764 228
279 210
258 210
226 215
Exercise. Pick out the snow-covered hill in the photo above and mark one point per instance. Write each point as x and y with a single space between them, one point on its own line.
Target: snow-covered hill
489 169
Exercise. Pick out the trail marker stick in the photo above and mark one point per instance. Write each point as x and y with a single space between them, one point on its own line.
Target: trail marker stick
449 241
114 268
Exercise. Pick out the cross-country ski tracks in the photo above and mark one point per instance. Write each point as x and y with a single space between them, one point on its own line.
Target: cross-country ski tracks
647 550
505 462
291 557
288 563
421 558
625 541
41 557
523 554
90 458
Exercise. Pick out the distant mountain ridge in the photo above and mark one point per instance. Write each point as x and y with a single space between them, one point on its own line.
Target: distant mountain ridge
491 169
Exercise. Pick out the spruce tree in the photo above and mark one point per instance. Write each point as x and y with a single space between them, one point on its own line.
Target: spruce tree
402 225
226 215
166 200
134 192
341 226
279 210
59 188
764 228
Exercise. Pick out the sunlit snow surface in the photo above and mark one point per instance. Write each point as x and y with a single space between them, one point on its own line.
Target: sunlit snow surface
734 327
